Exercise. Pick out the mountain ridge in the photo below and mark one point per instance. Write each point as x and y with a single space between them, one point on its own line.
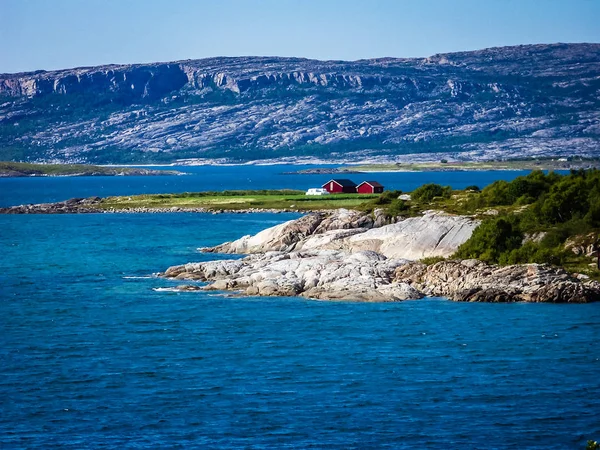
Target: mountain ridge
531 100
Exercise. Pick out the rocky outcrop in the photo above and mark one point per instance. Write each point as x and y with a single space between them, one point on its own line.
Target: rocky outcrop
433 234
586 245
294 233
370 276
71 206
136 81
319 256
344 256
476 281
322 274
95 205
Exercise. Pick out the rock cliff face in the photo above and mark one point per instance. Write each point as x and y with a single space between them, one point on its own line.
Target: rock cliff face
475 281
510 101
317 257
300 233
433 234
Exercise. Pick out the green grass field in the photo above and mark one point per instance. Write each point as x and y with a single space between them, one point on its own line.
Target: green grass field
236 200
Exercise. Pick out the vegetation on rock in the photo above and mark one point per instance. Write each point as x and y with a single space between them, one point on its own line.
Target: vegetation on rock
537 213
20 169
428 192
532 219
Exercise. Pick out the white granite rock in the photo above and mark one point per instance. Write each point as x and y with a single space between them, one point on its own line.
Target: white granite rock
433 234
322 274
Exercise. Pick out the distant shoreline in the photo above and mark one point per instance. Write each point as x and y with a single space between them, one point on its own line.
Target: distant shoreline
457 166
320 167
387 165
28 170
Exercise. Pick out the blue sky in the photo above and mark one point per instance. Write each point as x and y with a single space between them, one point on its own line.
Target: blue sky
44 34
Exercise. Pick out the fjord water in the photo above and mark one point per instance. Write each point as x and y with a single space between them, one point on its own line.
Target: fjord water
92 356
17 191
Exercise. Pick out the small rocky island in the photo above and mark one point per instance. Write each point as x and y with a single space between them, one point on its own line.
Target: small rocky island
350 255
18 169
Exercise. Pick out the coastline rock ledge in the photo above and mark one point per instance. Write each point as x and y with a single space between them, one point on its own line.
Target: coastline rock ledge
349 255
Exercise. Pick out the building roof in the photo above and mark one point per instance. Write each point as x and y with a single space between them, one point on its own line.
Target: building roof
372 183
344 182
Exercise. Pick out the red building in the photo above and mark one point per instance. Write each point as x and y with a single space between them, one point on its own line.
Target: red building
339 186
369 187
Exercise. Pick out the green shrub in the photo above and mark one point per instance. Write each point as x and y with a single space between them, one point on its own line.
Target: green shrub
532 252
490 240
428 192
561 206
397 207
432 260
387 197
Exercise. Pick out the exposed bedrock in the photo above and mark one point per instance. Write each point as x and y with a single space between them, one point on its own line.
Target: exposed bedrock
475 281
345 256
507 102
433 234
286 236
321 274
341 255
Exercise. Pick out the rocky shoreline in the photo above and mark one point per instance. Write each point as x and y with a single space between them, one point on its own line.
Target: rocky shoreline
20 170
350 255
92 205
347 255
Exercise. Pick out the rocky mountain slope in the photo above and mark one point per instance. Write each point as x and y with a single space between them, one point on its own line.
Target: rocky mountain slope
501 102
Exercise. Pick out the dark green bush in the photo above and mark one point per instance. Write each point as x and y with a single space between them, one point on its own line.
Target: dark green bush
387 197
428 192
490 240
561 206
430 260
397 207
532 252
522 190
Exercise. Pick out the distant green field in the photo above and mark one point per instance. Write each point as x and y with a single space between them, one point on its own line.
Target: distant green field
236 200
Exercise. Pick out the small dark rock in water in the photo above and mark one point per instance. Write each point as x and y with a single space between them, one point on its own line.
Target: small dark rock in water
189 288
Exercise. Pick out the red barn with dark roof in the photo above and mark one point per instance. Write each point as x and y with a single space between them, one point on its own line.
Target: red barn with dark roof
340 185
369 187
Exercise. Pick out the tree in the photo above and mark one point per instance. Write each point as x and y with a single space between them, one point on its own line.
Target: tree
490 240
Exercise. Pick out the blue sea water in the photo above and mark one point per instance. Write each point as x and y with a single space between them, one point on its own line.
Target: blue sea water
17 191
92 356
